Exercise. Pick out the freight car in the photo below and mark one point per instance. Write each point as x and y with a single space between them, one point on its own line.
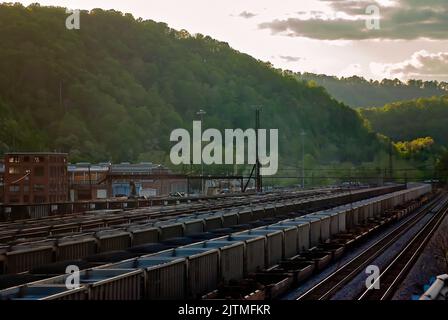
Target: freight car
91 241
24 258
190 271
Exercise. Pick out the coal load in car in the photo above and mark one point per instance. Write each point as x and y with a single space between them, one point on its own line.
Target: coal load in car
111 256
59 267
148 248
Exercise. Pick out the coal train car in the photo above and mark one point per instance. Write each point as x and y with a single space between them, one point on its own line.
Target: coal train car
189 271
93 234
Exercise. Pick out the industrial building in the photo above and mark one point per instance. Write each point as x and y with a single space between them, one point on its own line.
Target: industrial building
86 181
35 177
106 180
44 177
148 179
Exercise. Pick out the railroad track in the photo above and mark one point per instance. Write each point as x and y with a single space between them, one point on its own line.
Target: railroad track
325 289
205 207
392 276
35 223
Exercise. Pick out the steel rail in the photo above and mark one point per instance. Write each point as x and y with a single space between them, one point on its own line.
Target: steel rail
390 278
326 288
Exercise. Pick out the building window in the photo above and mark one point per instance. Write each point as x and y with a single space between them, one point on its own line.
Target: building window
38 187
14 170
14 159
14 188
39 159
26 188
26 199
39 171
39 199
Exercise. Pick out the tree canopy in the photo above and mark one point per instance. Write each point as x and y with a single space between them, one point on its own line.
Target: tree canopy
410 120
358 92
116 88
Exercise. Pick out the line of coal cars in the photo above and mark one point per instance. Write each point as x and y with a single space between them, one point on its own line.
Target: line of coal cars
68 238
188 272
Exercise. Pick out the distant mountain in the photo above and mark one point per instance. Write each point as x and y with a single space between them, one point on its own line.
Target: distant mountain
116 88
410 120
358 92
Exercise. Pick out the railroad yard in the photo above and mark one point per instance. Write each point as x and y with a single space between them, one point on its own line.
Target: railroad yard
296 245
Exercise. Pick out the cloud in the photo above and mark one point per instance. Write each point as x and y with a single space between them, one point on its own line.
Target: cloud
349 7
352 69
247 15
421 65
291 58
400 19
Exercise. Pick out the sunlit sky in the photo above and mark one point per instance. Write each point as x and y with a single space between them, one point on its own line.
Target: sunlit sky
319 36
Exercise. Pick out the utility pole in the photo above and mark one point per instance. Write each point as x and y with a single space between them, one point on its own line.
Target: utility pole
257 127
303 134
201 113
391 170
90 183
256 168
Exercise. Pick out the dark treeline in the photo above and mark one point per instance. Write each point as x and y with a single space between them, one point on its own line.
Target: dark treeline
359 92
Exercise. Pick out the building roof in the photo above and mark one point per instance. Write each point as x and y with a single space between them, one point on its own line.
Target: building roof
85 168
121 168
140 168
36 153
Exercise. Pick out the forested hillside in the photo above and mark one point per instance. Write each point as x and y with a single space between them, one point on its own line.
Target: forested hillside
358 92
116 88
409 120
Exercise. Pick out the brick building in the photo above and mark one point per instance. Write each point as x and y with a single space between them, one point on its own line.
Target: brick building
28 178
35 177
2 174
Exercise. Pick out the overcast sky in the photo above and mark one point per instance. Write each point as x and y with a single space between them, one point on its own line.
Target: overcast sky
320 36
